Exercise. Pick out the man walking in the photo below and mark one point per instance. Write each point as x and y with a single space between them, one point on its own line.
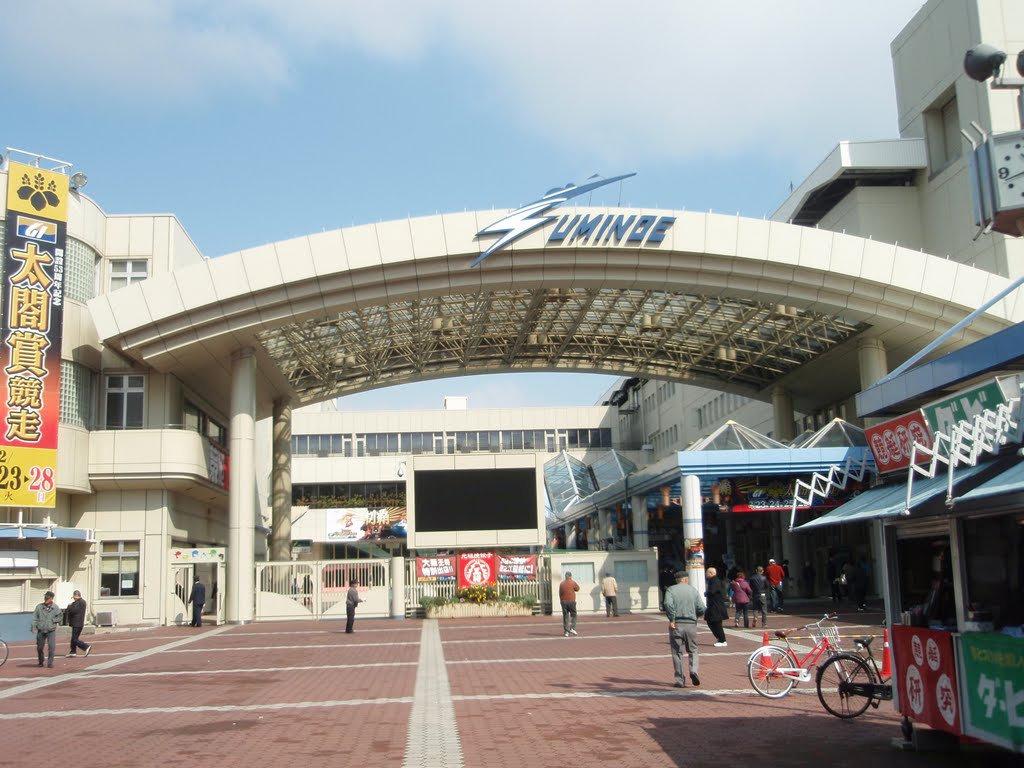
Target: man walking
198 600
776 575
45 621
567 597
610 590
352 599
76 618
683 606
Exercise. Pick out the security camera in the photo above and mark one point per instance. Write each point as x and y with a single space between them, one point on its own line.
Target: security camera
984 61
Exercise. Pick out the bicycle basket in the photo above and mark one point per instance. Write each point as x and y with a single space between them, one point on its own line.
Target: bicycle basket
829 632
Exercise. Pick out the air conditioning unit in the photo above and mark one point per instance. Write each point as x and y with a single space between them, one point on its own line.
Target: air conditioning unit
106 618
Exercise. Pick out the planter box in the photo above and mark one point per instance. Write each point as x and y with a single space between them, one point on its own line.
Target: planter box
477 610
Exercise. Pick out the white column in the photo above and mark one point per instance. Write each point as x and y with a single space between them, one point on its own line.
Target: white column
397 587
242 492
570 535
693 532
604 526
641 533
281 482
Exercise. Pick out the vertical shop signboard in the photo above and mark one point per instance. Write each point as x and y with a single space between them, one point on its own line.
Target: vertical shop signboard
926 677
476 569
32 301
993 682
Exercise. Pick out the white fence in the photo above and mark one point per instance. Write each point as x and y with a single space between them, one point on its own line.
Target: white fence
316 589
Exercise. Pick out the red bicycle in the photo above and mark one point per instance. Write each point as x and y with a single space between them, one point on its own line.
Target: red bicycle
774 670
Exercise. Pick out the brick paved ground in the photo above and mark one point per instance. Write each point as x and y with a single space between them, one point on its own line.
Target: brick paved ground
516 691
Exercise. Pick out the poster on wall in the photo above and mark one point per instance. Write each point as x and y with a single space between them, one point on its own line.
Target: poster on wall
925 677
358 523
759 494
476 569
33 322
517 567
435 569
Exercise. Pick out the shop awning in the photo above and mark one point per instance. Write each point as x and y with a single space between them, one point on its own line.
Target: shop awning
890 500
44 532
1010 481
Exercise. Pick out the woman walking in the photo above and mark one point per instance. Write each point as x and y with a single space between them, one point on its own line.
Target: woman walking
741 595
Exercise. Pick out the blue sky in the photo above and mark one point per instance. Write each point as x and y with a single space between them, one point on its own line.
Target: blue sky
256 120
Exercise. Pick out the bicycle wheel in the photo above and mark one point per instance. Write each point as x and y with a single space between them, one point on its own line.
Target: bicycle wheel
761 671
839 670
4 652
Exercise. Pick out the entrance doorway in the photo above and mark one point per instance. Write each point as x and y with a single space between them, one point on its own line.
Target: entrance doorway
208 565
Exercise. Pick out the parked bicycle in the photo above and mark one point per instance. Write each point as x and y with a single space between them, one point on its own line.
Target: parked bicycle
774 670
4 651
848 684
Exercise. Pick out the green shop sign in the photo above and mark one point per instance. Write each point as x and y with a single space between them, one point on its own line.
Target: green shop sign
965 405
992 688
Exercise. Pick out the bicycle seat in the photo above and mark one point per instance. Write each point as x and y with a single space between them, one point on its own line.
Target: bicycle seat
781 633
863 641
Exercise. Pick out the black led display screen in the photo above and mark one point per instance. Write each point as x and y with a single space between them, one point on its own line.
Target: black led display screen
475 499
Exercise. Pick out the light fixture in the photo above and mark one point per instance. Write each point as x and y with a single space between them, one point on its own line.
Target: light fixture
984 61
78 180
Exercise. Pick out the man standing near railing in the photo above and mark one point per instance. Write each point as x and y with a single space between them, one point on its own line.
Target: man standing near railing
352 599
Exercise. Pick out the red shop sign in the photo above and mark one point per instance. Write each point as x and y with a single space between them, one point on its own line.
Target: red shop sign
476 569
441 568
925 677
891 441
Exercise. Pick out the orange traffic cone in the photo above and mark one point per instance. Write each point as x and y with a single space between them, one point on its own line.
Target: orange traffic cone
886 663
766 663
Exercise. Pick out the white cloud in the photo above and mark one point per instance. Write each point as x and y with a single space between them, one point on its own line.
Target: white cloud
655 78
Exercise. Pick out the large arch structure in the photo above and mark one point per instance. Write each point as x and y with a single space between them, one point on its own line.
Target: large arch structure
722 301
762 308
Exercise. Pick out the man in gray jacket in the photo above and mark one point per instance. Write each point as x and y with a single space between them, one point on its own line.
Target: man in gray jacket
683 606
45 621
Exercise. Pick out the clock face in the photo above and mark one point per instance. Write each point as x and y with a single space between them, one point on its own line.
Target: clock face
1008 169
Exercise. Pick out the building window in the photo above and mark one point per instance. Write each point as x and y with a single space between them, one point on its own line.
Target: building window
79 270
119 569
125 401
124 272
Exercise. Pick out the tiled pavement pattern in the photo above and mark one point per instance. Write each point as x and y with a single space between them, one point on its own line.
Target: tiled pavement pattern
489 693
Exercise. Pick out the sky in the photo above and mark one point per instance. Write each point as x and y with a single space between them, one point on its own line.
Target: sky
255 121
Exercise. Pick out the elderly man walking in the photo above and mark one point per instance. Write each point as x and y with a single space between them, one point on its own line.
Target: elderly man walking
45 621
567 597
610 591
683 606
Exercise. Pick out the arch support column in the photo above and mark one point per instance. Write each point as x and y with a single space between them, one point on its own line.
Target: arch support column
281 482
242 492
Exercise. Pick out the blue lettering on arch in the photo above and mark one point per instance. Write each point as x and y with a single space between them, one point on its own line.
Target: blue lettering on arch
620 227
658 233
586 227
562 230
640 230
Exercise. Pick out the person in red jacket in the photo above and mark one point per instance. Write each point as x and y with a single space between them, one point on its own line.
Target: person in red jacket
775 576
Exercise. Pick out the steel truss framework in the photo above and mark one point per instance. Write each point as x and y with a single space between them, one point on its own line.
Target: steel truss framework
735 343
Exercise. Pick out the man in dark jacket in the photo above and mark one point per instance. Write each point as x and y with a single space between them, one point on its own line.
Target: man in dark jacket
198 600
759 599
717 609
76 611
351 601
